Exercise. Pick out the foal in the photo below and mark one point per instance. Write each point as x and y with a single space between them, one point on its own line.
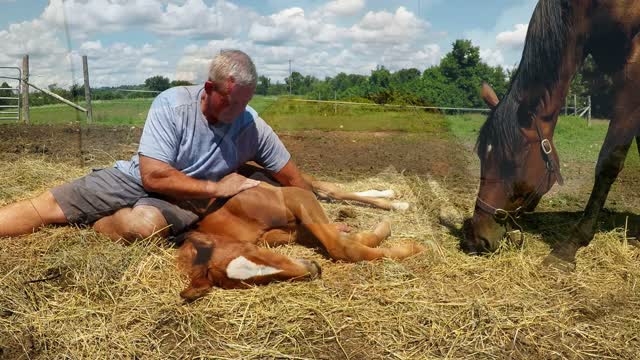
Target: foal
223 250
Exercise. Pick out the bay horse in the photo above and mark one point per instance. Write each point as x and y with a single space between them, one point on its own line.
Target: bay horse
519 162
224 250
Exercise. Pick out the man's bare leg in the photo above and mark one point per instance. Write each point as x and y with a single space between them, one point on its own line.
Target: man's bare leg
27 216
133 224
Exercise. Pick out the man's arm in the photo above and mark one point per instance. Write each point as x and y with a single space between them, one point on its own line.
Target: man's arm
289 175
160 177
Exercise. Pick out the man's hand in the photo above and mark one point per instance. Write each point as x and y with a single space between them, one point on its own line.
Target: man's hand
233 184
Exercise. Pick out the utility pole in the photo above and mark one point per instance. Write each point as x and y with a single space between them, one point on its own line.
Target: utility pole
290 77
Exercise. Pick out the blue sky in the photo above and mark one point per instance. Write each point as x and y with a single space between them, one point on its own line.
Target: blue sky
128 41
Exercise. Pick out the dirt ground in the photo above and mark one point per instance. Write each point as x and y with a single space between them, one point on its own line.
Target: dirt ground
338 156
363 153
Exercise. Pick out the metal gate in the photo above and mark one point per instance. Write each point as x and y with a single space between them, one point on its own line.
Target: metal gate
10 92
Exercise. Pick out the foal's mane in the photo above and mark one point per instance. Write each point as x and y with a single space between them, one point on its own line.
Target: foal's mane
538 71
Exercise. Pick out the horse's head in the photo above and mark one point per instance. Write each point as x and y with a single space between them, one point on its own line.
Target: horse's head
519 164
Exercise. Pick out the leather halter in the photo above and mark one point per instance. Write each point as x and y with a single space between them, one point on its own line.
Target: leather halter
502 215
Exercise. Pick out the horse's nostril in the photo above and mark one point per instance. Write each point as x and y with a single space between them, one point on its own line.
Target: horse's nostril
485 244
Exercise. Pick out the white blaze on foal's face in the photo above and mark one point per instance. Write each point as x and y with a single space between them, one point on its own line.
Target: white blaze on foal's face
242 268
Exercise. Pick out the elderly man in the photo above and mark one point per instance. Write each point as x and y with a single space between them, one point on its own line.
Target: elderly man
193 141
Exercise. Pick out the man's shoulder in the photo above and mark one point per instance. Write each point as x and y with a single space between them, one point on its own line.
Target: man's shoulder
180 95
251 113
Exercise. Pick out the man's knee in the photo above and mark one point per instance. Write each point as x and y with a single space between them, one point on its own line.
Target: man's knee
143 222
48 208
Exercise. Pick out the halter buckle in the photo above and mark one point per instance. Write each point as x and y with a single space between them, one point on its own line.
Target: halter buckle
501 215
546 146
518 212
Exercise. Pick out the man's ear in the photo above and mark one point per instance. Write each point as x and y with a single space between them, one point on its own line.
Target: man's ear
489 96
209 86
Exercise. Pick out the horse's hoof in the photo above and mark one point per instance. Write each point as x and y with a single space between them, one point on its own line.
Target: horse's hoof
400 206
314 269
191 293
554 262
383 229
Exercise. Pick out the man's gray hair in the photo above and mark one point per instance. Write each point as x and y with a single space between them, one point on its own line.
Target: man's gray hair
236 64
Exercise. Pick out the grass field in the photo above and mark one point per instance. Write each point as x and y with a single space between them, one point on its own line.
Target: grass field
112 112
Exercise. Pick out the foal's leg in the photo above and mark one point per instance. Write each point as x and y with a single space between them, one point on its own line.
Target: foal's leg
340 247
332 191
373 239
276 237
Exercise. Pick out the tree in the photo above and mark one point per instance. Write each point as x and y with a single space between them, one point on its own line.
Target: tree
157 83
404 76
379 89
262 88
180 83
5 93
598 85
463 68
296 83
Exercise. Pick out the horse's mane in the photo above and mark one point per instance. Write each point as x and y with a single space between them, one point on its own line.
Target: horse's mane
538 71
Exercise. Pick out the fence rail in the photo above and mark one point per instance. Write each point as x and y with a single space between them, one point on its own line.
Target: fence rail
10 102
394 105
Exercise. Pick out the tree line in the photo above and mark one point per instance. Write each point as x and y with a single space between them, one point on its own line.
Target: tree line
454 82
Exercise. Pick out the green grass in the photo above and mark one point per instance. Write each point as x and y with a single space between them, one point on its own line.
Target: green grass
574 139
289 115
112 112
105 112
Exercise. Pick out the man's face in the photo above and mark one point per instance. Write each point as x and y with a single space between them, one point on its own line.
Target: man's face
226 100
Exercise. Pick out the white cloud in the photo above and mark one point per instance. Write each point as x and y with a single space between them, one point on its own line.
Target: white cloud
29 37
502 45
343 7
512 39
384 27
492 57
317 45
197 20
279 27
91 45
192 18
100 16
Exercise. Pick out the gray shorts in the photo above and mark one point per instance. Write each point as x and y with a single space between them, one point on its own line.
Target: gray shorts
105 191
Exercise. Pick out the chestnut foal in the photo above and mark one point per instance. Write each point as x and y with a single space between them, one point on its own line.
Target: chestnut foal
223 250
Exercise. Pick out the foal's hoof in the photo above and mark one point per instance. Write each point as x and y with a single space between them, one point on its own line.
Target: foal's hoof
383 229
400 206
314 269
554 262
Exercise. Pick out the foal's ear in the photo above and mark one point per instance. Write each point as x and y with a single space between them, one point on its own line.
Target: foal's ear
489 96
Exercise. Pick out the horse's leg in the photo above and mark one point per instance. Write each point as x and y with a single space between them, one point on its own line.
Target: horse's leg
373 239
349 248
276 237
210 261
332 191
622 129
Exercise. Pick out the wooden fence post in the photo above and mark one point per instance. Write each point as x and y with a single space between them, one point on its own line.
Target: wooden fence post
87 89
589 113
24 87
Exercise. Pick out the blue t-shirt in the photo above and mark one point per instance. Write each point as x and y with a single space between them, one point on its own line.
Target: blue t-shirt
177 133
